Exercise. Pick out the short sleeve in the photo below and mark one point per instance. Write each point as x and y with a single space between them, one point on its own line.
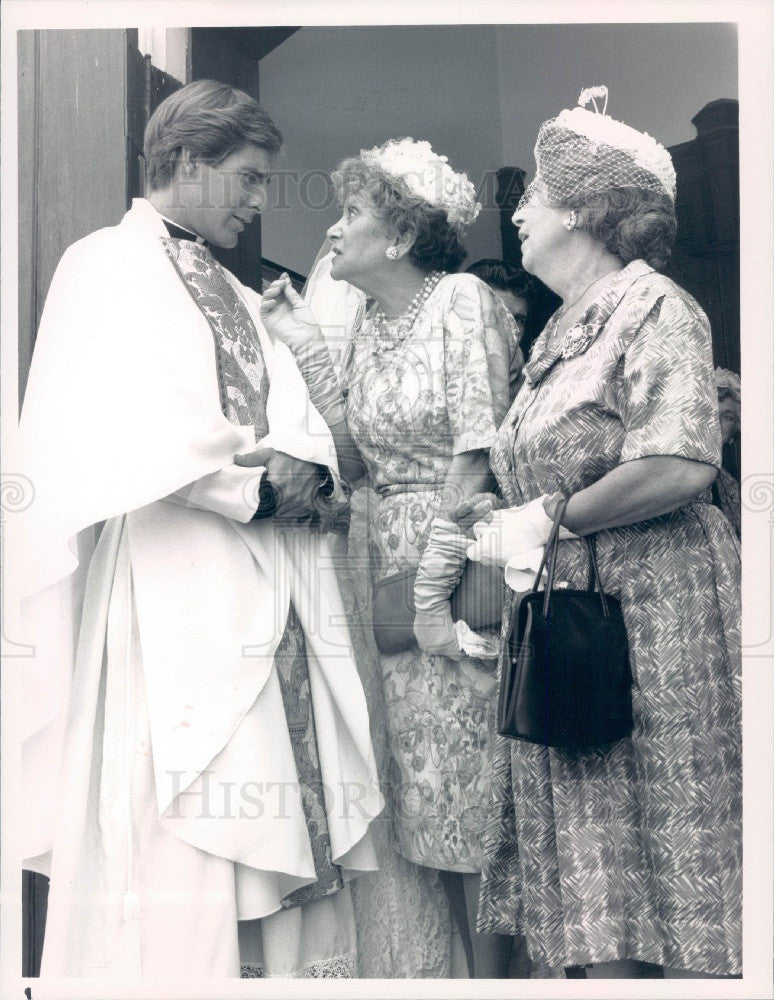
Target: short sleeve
669 401
481 353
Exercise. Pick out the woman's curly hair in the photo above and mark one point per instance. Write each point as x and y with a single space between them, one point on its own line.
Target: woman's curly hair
437 245
632 223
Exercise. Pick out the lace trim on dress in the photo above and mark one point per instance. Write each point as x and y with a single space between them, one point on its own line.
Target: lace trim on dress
251 970
339 967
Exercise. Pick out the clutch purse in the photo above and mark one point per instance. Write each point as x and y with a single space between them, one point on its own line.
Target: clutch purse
477 600
566 678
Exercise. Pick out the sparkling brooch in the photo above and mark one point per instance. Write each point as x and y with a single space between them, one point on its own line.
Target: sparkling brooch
577 339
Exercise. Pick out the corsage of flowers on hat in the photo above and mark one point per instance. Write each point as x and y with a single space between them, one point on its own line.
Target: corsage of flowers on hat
428 176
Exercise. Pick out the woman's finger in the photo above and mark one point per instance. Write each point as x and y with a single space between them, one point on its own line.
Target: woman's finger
479 501
482 507
465 517
487 516
291 294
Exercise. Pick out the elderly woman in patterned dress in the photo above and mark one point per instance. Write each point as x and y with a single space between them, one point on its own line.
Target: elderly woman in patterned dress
631 851
428 378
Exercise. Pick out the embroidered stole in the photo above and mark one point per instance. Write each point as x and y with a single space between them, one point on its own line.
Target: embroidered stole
243 383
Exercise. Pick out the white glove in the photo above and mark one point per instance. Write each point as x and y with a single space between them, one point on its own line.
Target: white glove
287 317
520 570
511 533
439 572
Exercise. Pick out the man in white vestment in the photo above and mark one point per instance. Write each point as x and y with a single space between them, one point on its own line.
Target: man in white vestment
198 768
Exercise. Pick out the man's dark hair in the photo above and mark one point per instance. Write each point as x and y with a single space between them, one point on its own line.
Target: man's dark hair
498 274
209 119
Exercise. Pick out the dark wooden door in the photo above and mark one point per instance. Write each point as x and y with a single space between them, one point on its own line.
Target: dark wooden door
73 168
705 260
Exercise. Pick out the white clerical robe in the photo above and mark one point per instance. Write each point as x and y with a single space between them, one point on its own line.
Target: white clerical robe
159 772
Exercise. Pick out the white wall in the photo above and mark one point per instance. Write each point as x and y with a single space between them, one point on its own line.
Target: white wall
333 91
169 49
477 93
658 75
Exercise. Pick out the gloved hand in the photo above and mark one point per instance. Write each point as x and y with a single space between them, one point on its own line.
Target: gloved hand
507 536
439 572
289 319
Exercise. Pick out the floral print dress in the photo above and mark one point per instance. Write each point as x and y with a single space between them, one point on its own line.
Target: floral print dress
414 401
632 851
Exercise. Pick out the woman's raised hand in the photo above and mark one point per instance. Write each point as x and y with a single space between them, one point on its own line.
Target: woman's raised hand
479 507
286 316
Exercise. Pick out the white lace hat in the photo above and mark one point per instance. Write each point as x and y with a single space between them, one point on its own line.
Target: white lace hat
428 176
584 151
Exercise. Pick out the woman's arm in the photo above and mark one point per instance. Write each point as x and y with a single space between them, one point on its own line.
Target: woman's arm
287 317
635 491
468 474
671 447
351 465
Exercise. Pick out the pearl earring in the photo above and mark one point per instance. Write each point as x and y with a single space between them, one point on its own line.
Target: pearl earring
391 253
571 221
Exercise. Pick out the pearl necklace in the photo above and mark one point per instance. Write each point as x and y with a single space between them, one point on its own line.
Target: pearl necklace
396 329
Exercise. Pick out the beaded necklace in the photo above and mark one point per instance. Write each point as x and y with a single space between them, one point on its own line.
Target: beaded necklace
393 330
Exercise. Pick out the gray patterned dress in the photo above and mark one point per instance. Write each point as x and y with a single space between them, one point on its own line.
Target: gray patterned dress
634 851
414 401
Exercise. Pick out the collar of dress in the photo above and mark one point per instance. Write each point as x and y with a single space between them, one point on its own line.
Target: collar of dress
582 334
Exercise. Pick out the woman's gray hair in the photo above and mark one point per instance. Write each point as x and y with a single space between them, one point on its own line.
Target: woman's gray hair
632 223
729 386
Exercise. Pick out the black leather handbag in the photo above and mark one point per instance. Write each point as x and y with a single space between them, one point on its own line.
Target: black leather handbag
566 679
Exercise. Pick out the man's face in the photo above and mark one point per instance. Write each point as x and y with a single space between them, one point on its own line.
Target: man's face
218 201
729 420
516 306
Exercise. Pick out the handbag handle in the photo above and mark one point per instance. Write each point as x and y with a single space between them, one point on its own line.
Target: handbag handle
591 544
549 553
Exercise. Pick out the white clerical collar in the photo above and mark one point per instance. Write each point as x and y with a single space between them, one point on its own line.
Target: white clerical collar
180 232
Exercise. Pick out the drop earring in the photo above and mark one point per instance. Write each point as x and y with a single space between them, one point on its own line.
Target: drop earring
571 221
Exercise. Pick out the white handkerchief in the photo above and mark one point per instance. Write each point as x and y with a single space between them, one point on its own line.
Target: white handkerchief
479 646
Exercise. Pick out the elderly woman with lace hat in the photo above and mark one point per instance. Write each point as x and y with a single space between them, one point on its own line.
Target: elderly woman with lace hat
427 376
631 851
